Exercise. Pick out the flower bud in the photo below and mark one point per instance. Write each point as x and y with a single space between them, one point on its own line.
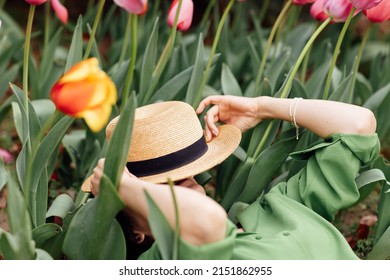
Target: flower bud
185 15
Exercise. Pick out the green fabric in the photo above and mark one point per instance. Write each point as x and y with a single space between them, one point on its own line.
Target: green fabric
293 220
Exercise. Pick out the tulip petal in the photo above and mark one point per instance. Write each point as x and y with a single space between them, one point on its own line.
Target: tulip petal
60 10
81 71
36 2
185 16
137 7
71 98
97 117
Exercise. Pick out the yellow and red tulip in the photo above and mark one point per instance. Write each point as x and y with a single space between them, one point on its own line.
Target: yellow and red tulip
87 92
137 7
185 15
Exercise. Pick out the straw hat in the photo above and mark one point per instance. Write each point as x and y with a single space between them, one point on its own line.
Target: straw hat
168 143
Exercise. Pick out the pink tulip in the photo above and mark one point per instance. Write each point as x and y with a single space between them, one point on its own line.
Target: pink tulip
60 10
379 13
303 2
365 4
339 10
185 15
137 7
6 156
317 12
36 2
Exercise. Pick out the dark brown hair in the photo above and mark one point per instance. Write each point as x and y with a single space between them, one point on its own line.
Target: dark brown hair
133 248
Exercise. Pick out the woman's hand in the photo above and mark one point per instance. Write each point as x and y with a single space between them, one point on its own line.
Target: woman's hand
98 173
242 112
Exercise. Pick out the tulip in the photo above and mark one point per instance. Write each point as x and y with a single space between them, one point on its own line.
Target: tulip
60 10
365 4
339 10
317 12
137 7
6 156
379 13
36 2
185 15
85 92
303 2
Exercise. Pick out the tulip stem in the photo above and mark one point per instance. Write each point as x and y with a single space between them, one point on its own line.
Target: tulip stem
130 72
358 59
94 28
269 44
198 96
26 56
336 53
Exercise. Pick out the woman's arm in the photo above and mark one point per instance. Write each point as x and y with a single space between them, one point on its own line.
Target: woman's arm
202 220
320 116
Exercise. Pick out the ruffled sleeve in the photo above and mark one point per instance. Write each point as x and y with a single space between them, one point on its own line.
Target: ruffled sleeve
327 183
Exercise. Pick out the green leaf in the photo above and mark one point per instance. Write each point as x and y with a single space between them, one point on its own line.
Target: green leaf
298 37
258 134
266 166
18 243
315 84
8 76
61 206
44 152
119 145
368 180
229 83
383 212
3 175
161 230
197 74
76 47
236 187
172 88
276 68
94 233
381 250
148 63
377 98
45 232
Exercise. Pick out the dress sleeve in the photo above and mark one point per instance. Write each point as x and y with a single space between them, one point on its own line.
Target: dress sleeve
220 250
327 183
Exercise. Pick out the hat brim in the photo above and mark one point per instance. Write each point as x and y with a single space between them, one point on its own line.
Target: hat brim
219 148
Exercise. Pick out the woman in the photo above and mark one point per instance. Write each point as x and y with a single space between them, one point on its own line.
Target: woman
291 221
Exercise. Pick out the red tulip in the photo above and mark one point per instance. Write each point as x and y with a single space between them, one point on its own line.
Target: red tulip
303 2
185 15
339 10
365 4
317 11
85 92
137 7
36 2
379 13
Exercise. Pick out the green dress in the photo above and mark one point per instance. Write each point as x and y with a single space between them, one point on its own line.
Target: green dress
293 220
